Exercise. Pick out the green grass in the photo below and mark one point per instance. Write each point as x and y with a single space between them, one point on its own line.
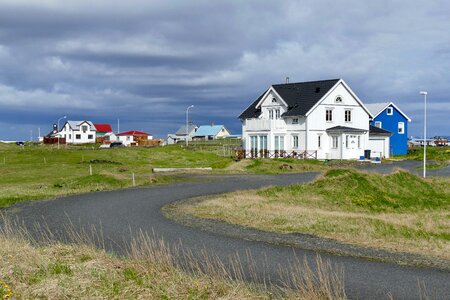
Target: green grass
439 154
40 171
352 190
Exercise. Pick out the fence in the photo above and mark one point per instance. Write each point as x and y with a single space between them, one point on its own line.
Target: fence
243 154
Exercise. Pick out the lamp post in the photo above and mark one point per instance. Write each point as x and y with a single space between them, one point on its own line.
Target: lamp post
187 124
63 117
424 93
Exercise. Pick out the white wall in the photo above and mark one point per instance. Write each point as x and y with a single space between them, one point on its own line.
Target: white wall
78 136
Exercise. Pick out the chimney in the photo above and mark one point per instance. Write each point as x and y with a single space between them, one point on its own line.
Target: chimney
287 79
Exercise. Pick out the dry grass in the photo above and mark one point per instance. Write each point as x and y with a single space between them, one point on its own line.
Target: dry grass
46 269
417 230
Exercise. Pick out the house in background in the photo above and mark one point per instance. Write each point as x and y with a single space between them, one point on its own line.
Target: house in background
78 132
211 132
105 133
182 134
379 142
321 117
389 117
134 138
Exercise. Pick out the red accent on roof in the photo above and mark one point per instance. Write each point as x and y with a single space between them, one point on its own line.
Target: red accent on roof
103 127
134 133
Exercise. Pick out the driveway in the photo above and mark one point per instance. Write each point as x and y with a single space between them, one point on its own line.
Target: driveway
120 212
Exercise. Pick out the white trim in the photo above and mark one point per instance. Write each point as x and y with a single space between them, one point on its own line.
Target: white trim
395 106
341 81
265 95
375 124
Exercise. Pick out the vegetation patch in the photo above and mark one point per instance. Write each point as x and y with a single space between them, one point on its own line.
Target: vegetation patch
396 212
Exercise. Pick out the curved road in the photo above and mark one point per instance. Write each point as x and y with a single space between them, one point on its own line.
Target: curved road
118 213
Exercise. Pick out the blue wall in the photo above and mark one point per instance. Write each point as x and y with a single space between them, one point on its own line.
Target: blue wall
398 142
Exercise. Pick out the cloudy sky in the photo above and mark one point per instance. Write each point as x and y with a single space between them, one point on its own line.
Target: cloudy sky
144 62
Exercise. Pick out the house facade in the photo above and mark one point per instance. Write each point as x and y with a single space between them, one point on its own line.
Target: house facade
78 132
389 117
105 133
379 142
134 138
211 132
321 117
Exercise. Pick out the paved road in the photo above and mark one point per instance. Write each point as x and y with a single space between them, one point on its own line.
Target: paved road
118 213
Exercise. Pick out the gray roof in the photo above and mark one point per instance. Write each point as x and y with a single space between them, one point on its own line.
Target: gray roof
182 130
375 108
345 129
75 125
373 130
300 97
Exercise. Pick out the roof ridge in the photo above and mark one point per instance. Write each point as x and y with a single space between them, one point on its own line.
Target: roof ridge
311 81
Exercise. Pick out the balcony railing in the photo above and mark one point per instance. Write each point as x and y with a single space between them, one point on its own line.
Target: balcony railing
264 124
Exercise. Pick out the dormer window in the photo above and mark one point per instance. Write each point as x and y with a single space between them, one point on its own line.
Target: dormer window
338 99
295 121
274 100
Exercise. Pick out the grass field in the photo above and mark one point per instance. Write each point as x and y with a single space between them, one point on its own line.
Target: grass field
38 171
398 212
438 154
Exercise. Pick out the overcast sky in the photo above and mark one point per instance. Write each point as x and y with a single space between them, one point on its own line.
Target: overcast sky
144 62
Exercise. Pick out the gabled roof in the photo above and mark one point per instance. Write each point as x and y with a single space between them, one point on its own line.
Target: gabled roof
75 125
377 108
300 97
207 130
182 130
103 127
133 133
373 130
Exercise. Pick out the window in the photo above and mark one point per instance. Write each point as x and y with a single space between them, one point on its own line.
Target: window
279 142
263 142
295 141
319 142
90 137
359 142
78 136
128 138
84 128
277 114
346 141
389 111
378 124
335 141
70 136
338 99
271 114
295 121
329 115
401 128
274 100
254 143
348 115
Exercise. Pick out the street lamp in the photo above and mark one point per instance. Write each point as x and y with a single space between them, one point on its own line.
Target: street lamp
424 93
187 123
63 117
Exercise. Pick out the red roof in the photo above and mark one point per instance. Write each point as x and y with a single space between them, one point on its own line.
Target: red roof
103 127
134 133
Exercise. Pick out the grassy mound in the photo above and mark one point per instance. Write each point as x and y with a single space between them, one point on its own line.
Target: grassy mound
349 189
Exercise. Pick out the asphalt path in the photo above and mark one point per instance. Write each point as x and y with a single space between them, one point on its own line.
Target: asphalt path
119 214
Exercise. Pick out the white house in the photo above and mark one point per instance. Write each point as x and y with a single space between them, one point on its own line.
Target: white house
134 138
78 132
379 142
318 119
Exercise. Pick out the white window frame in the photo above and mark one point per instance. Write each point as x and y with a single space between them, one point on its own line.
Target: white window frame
378 124
295 121
295 140
271 114
319 141
401 127
329 113
338 99
335 141
348 115
277 113
78 136
390 111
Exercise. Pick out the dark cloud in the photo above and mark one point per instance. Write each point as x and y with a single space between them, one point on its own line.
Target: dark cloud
146 61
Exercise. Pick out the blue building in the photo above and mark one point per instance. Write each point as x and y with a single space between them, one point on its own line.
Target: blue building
389 117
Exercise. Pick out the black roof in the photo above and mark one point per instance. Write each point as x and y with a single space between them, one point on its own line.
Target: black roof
345 129
378 131
300 97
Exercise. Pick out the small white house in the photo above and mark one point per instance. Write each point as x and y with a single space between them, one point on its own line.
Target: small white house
78 132
379 142
134 138
318 119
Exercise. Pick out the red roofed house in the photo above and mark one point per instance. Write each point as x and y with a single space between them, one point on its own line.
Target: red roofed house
105 133
134 138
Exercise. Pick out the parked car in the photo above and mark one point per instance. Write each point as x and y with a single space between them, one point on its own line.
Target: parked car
20 143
